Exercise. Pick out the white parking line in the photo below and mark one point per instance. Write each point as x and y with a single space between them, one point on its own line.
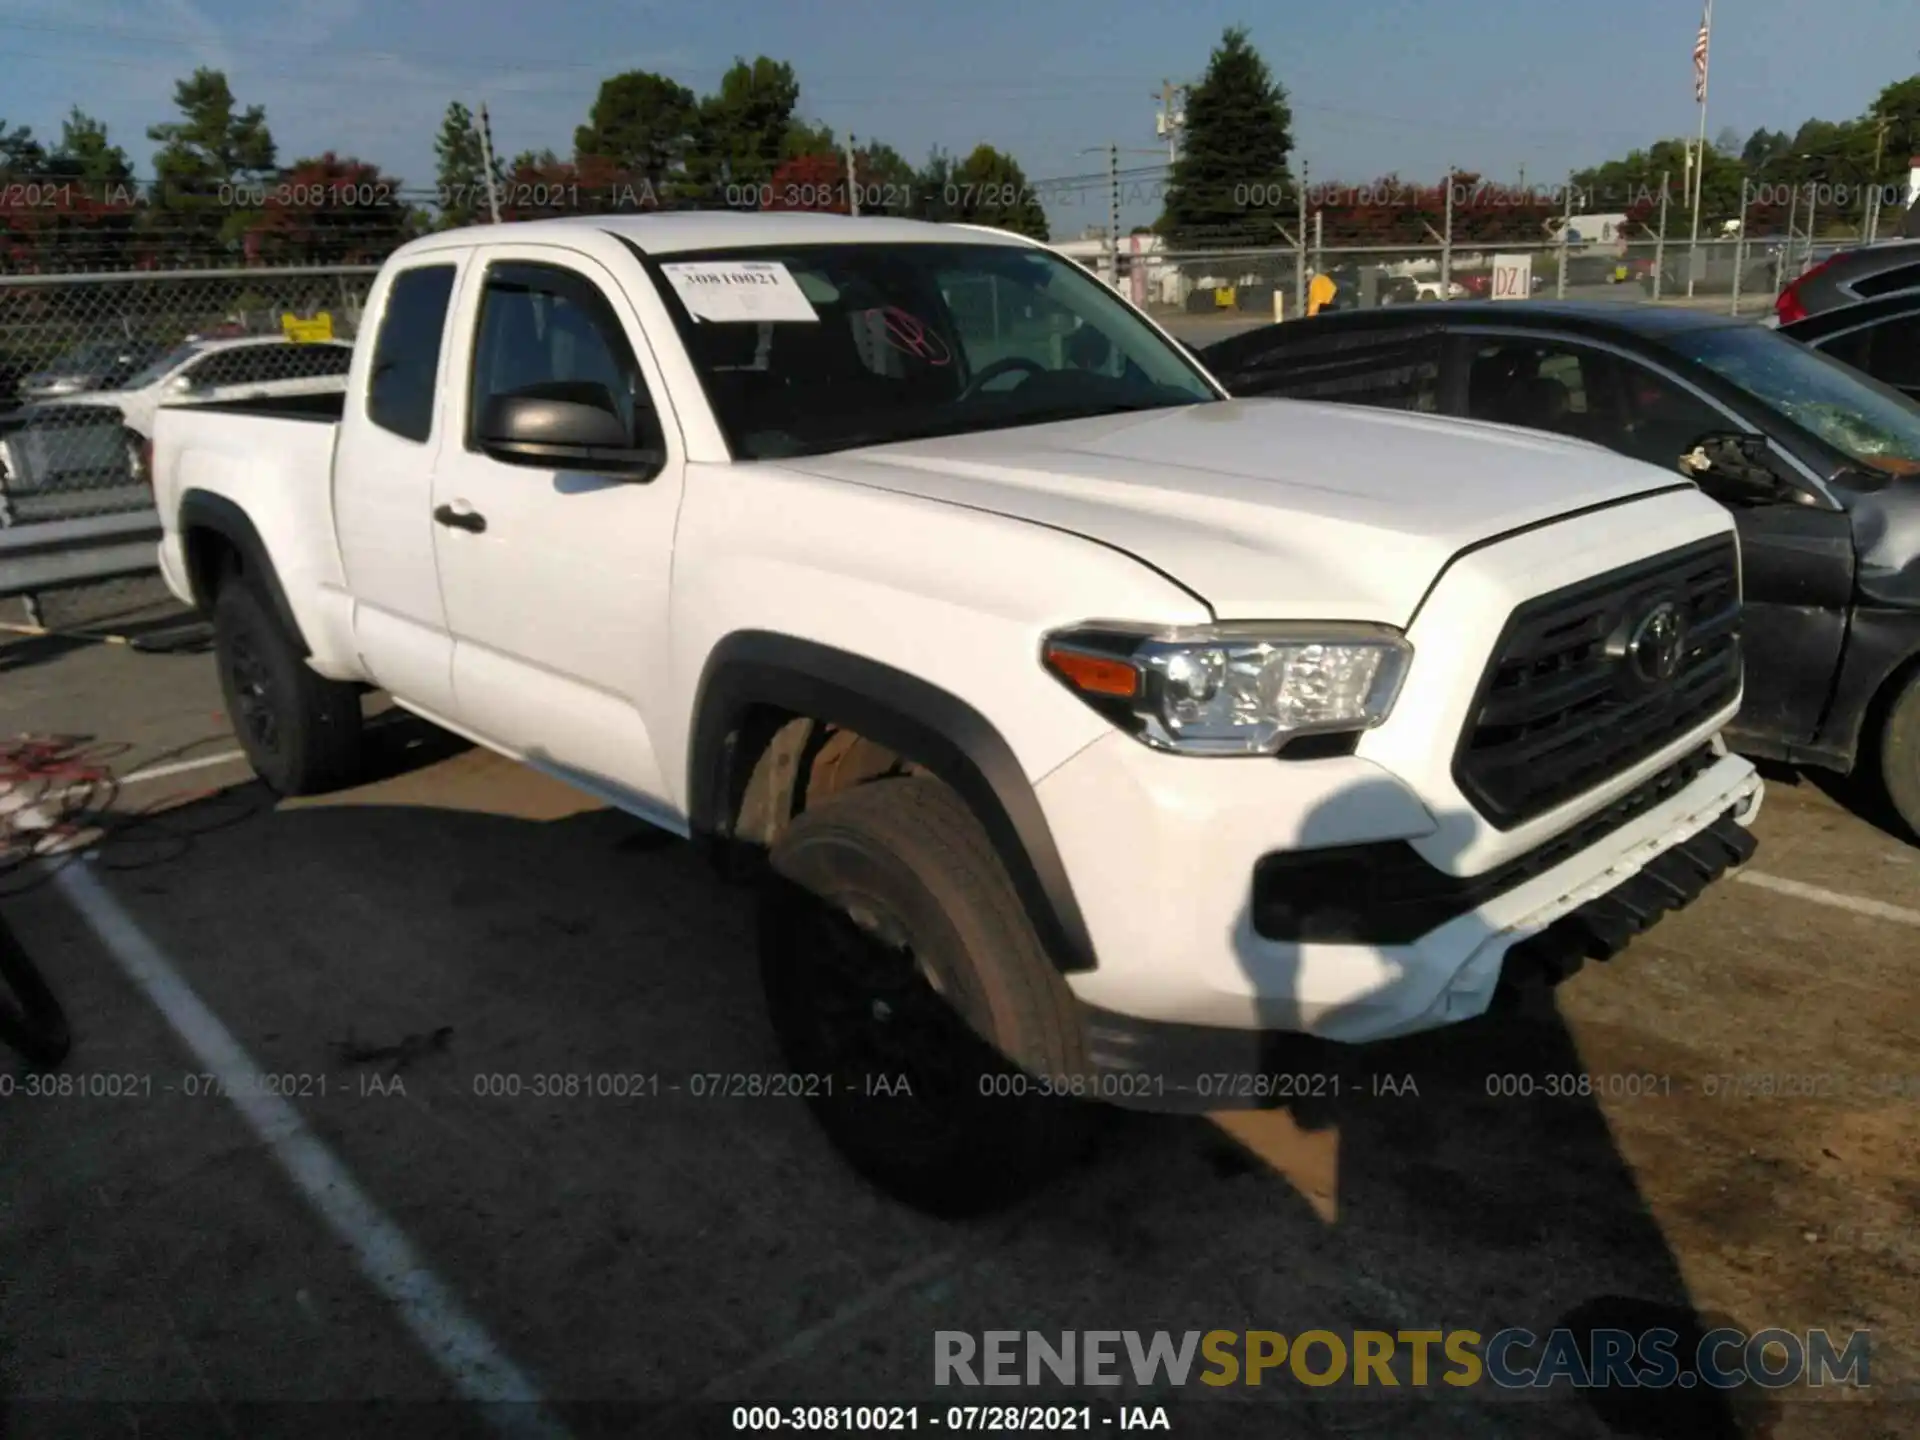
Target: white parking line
1877 909
478 1369
181 767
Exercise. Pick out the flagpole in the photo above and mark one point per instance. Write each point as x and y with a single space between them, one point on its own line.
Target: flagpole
1700 152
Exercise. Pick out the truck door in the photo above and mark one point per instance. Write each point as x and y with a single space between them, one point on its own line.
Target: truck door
555 579
383 489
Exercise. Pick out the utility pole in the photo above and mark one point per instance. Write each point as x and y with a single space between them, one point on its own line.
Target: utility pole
1300 249
1740 247
1173 118
1566 237
1660 241
1446 243
1113 211
1870 222
486 162
853 185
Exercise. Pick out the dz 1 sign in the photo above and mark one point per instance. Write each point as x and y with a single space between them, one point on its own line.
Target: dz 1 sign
1512 277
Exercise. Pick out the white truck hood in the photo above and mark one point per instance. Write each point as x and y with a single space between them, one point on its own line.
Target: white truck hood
1266 508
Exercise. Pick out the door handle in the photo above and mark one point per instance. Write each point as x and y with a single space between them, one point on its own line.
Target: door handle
460 519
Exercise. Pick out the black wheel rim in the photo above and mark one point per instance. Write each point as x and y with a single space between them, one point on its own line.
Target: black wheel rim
253 696
872 1019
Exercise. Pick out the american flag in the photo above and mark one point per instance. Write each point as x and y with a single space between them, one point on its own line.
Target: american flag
1700 62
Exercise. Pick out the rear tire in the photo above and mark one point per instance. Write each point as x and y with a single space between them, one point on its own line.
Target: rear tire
300 731
1900 754
892 945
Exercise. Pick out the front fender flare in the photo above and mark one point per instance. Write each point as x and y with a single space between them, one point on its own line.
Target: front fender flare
917 721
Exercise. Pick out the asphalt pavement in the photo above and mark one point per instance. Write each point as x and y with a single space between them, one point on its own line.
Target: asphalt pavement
487 1170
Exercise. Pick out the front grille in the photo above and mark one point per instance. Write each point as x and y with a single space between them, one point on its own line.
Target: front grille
1562 708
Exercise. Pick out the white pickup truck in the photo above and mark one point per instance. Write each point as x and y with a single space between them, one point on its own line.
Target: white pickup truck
1095 729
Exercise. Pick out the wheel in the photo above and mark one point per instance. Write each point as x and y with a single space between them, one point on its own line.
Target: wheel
300 731
1900 754
894 948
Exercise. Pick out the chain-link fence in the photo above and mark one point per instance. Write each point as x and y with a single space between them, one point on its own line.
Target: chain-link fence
1732 276
87 360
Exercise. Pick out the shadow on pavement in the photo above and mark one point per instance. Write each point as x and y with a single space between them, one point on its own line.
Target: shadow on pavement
647 1247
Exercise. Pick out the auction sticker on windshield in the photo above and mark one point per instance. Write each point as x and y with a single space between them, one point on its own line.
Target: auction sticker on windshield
739 290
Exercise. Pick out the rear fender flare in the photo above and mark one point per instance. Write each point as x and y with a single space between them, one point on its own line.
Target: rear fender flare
202 512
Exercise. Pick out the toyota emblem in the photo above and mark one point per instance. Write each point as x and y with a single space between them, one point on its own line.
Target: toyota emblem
1658 644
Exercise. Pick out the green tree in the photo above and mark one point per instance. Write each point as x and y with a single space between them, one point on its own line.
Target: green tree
20 153
461 170
1895 119
743 128
214 142
208 161
1763 147
1232 179
85 154
643 127
805 140
933 192
989 188
887 181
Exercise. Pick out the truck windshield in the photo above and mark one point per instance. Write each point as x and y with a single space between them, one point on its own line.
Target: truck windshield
812 348
1865 421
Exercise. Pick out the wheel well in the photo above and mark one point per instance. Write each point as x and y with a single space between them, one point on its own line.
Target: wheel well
212 561
1873 722
785 763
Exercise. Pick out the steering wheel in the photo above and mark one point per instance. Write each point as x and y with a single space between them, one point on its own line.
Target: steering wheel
998 368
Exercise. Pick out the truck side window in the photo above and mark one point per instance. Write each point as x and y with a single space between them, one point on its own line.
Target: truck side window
544 325
406 357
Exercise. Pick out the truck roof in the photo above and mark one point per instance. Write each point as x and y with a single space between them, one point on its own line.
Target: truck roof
671 233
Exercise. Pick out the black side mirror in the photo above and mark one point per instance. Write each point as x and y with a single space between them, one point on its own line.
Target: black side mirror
1736 467
572 425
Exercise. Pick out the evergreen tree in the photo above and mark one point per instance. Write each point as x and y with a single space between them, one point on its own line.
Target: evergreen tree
461 176
1232 180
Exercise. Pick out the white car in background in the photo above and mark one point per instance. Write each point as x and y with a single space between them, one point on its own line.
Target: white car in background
90 436
254 368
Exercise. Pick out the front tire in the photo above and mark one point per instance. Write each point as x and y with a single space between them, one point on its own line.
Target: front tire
1900 754
893 945
300 731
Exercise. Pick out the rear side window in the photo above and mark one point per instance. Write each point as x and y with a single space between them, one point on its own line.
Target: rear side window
1396 372
1888 282
319 362
1888 350
406 357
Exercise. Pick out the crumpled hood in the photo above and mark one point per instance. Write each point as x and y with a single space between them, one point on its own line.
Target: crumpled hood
1266 508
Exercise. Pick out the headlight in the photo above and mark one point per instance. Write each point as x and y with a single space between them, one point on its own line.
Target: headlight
1238 689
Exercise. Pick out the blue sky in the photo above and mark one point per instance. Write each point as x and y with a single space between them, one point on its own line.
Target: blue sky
1503 86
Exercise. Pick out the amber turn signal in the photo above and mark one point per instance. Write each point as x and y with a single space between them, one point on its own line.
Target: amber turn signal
1094 674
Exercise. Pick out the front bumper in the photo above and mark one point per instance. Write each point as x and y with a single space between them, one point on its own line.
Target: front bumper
1150 1065
1163 850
